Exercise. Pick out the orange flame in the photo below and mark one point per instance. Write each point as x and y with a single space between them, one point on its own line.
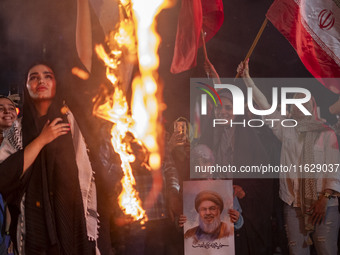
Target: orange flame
146 105
115 109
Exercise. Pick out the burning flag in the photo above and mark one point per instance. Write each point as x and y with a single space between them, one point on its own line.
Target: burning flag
134 34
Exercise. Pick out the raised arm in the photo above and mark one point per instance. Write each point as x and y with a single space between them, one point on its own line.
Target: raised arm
50 132
258 96
211 72
84 34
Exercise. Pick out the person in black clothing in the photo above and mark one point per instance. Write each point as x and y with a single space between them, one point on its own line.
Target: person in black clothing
58 195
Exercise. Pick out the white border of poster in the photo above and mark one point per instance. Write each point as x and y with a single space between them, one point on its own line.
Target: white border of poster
225 245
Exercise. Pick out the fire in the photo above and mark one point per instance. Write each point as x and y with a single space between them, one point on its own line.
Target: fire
135 34
115 109
146 104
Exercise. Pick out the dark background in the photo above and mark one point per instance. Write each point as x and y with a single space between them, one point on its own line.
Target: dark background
33 29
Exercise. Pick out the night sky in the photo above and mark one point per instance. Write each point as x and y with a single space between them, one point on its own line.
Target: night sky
31 29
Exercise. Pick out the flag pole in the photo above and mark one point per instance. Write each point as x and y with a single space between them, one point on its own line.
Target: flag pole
254 43
212 72
204 48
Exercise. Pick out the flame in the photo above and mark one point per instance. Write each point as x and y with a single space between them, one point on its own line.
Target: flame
134 34
125 36
146 102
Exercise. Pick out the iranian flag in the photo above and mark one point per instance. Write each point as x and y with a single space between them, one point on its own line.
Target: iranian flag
313 29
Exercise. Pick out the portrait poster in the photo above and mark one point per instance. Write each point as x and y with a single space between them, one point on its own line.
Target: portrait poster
218 194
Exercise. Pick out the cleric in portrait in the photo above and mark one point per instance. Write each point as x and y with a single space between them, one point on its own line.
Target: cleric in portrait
209 206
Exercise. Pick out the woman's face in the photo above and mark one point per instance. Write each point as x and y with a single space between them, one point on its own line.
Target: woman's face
8 113
225 111
296 113
41 83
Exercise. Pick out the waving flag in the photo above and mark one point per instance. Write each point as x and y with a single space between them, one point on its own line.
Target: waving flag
194 16
313 29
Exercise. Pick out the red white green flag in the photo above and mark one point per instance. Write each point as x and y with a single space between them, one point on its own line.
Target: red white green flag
313 29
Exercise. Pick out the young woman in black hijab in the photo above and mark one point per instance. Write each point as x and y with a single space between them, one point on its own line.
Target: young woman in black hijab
57 196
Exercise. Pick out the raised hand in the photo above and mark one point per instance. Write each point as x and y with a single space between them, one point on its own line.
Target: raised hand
243 69
238 192
177 139
211 71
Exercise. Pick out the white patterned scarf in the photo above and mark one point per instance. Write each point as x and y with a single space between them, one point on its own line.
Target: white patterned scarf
310 129
86 181
12 143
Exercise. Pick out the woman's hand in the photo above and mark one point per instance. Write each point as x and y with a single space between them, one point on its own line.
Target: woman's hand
53 130
243 69
234 215
49 132
211 71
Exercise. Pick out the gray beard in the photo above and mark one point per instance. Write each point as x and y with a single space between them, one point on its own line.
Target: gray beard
210 227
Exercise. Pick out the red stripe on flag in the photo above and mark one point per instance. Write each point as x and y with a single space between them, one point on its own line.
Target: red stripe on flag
195 15
188 35
213 17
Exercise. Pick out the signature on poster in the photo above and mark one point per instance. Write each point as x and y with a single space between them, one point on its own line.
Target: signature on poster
208 245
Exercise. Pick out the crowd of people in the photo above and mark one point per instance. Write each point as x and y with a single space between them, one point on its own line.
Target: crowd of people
61 188
60 178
